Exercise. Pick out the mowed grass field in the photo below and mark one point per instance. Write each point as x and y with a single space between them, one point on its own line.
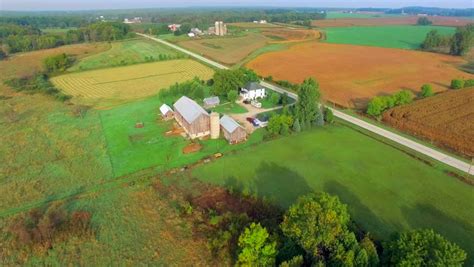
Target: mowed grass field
385 189
130 82
379 70
446 119
228 50
400 36
126 53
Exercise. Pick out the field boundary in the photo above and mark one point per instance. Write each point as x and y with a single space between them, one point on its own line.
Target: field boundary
446 159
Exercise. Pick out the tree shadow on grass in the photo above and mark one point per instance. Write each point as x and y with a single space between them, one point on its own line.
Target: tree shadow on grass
371 222
274 183
453 229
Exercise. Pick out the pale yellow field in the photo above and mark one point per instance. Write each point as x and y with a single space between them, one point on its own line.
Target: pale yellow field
130 82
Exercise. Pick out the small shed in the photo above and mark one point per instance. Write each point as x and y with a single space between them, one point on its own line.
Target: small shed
233 132
166 112
211 102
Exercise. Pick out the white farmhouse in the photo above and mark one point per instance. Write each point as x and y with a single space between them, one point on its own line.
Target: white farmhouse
252 91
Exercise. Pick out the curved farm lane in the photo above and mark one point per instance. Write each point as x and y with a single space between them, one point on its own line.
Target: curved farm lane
437 155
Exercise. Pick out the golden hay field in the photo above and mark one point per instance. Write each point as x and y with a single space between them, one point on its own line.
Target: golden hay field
130 82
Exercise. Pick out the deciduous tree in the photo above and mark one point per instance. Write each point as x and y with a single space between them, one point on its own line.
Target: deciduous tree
256 248
424 248
307 105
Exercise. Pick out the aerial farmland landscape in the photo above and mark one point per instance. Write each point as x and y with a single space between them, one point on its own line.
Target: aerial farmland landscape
286 133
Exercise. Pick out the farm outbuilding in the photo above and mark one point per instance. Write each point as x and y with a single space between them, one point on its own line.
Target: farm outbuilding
192 117
233 132
211 102
252 91
166 112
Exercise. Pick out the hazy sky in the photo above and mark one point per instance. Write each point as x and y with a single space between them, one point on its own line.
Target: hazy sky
116 4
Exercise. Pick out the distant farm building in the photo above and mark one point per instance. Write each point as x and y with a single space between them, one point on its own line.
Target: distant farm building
196 31
219 29
233 132
174 27
132 21
192 117
252 91
166 112
211 102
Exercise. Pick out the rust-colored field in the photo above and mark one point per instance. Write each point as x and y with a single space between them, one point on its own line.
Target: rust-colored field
446 119
407 20
290 35
351 75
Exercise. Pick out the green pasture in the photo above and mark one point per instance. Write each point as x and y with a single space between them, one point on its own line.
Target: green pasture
230 108
386 189
126 53
403 36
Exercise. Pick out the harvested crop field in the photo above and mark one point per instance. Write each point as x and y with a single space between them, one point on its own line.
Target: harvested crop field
253 25
229 50
406 20
130 82
351 75
291 35
446 119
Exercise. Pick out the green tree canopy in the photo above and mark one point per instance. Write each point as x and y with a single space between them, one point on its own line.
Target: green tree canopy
427 90
306 107
57 63
255 247
463 40
316 222
232 96
457 83
424 21
424 248
225 81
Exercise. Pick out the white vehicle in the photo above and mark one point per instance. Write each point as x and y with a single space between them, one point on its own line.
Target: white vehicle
258 122
256 104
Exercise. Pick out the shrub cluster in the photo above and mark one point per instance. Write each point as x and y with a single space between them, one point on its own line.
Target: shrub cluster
38 83
379 104
44 227
460 83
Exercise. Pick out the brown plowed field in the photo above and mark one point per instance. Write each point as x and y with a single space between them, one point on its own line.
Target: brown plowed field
446 119
408 20
351 75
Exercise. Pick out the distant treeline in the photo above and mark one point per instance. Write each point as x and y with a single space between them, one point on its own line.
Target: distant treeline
205 18
434 11
458 44
45 21
17 38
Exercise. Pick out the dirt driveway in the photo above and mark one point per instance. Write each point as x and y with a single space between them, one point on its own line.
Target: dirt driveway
252 112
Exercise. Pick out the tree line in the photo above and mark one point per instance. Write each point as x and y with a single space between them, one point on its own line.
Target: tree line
17 38
317 230
458 44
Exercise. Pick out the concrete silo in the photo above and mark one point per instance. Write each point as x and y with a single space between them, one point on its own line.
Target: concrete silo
215 125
